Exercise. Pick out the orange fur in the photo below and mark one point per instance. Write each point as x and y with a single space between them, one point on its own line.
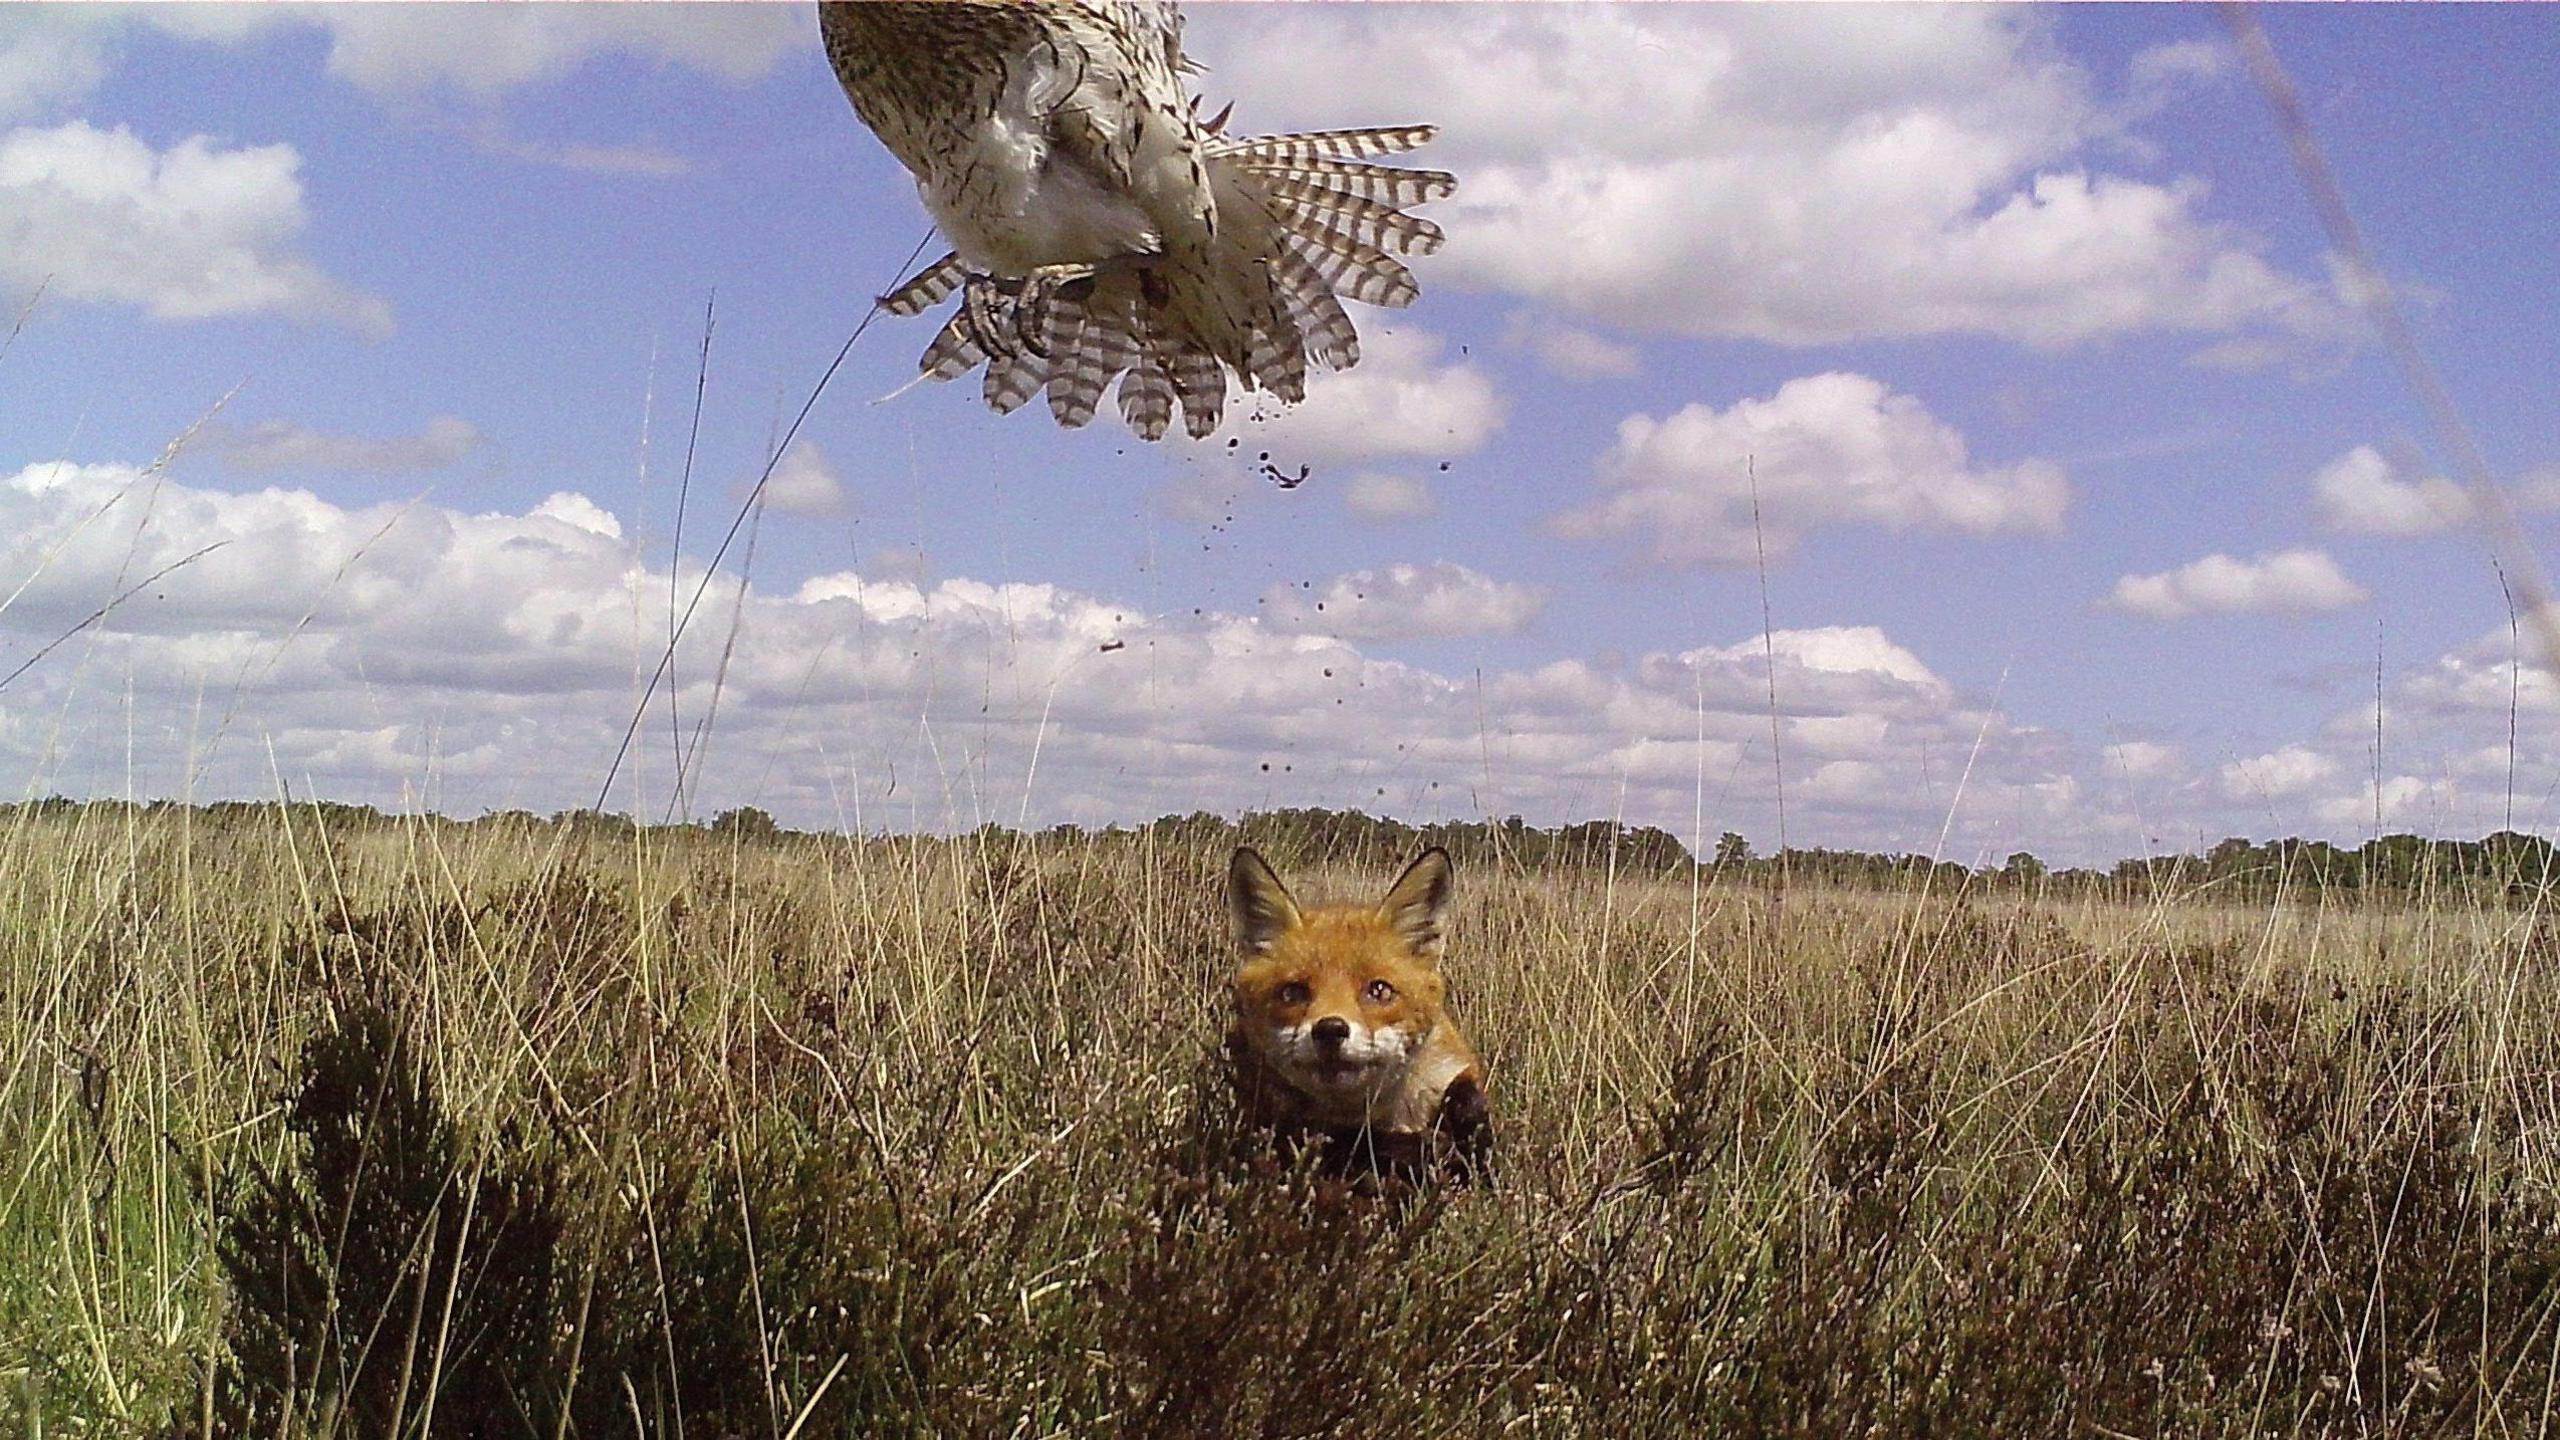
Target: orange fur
1339 1017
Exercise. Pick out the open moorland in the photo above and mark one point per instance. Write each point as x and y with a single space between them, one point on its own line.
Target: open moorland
326 1128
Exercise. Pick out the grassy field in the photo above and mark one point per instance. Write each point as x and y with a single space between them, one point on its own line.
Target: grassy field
429 1129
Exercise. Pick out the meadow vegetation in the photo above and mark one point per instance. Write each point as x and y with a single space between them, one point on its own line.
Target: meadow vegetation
327 1125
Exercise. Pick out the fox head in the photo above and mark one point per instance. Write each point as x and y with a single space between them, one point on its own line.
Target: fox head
1338 999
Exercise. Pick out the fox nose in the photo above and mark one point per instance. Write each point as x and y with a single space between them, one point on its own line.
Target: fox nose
1331 1031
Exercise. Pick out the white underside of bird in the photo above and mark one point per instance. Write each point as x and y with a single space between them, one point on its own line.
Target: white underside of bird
1100 230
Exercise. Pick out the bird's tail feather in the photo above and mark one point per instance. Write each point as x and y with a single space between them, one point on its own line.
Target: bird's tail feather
1324 144
1092 339
926 288
1311 222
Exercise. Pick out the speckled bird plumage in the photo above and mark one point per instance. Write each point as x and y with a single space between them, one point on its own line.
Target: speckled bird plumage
1100 229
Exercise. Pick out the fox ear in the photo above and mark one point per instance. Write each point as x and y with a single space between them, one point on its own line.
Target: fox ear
1261 906
1414 903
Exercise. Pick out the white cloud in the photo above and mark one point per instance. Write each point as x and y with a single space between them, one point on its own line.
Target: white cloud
1801 175
190 233
2538 488
1836 650
2163 72
2427 805
1406 397
55 56
419 655
2477 681
2143 760
2282 774
1827 449
415 578
904 564
1405 602
1379 496
429 656
2362 492
402 50
639 158
2290 583
578 512
45 62
1572 353
2451 765
804 484
281 445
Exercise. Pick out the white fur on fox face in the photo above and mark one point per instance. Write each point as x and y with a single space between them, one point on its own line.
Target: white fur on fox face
1366 1058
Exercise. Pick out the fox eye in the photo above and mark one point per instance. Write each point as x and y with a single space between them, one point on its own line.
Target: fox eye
1295 993
1379 992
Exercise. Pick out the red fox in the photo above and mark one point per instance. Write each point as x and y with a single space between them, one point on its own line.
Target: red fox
1339 1028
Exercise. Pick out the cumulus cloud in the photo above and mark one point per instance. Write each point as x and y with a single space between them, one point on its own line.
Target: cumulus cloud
2480 679
1380 496
45 61
804 484
2452 763
2363 492
190 233
1827 450
1570 352
282 445
2143 760
1406 397
422 655
403 50
52 57
55 54
906 564
1405 602
2278 775
2290 583
426 655
427 586
1800 175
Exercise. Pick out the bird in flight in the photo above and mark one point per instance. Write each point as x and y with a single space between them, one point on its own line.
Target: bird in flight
1101 229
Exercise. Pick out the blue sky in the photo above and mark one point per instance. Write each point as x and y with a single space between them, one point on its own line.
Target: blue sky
2019 316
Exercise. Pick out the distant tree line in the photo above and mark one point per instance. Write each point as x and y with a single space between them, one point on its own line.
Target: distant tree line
2507 861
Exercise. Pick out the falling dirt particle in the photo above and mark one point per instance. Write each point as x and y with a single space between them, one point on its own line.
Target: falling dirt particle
1328 674
1444 467
1266 767
1110 645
